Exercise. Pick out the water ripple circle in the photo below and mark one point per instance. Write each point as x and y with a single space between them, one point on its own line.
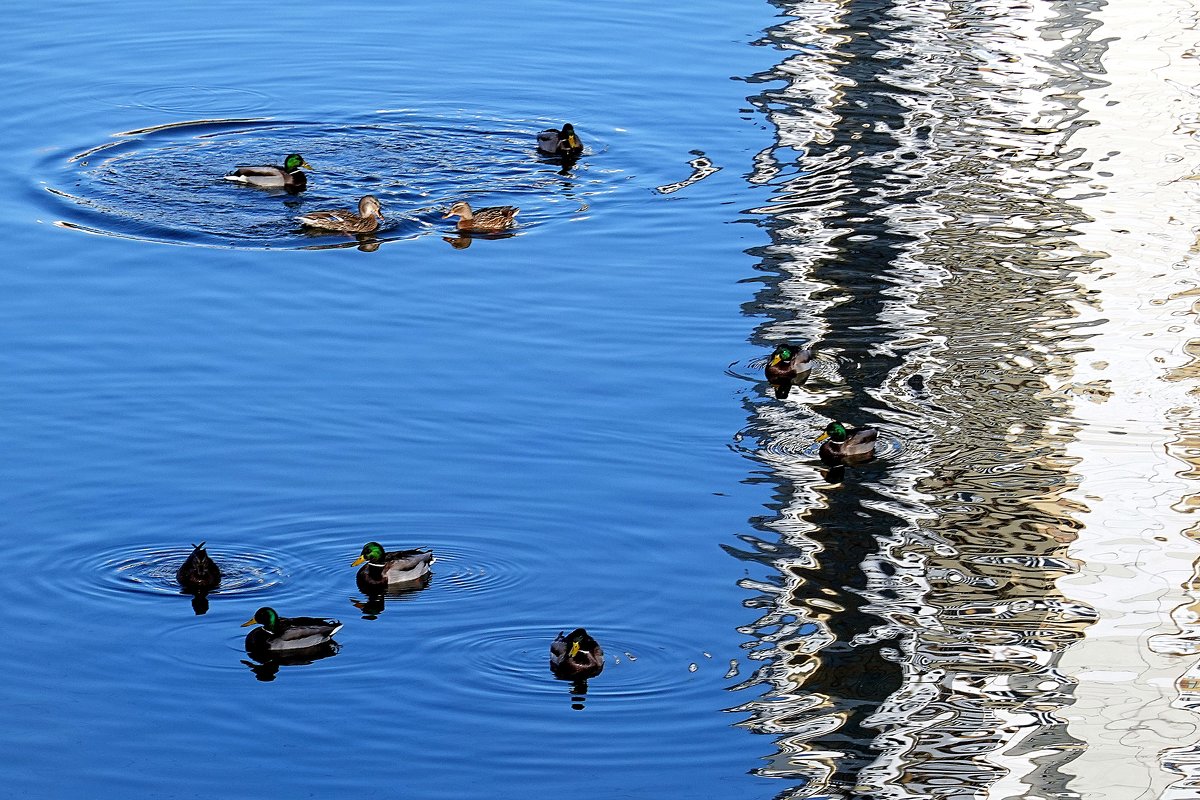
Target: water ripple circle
515 660
166 183
151 571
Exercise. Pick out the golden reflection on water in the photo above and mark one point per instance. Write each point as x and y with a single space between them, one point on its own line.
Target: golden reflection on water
982 209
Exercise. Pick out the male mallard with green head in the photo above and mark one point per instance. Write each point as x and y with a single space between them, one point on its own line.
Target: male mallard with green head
382 569
564 143
369 215
576 656
484 220
287 177
789 366
842 445
287 634
198 572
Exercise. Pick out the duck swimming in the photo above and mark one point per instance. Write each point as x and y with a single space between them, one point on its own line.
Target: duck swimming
287 177
842 445
198 572
564 143
369 215
576 656
382 569
484 220
789 366
287 634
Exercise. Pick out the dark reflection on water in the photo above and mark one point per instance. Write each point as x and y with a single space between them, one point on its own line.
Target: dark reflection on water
911 630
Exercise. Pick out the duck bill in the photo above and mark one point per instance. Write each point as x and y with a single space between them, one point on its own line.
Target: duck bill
359 560
307 165
775 360
821 438
248 623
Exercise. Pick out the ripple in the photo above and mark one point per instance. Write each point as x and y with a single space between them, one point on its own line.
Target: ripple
825 368
151 571
200 100
516 661
797 443
166 183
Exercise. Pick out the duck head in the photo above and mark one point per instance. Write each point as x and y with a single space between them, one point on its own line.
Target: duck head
265 616
834 431
294 162
372 552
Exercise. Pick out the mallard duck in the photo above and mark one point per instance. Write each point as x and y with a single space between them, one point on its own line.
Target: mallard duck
366 220
483 220
789 366
842 445
285 634
576 655
382 569
564 143
288 176
198 572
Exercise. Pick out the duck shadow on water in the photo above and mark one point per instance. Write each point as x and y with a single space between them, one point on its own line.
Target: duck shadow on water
366 242
375 602
463 240
266 664
199 601
578 691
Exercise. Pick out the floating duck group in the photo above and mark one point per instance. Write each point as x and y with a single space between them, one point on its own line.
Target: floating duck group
790 366
563 144
575 657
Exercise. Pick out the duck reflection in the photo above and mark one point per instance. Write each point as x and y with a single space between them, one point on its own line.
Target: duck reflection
199 602
266 664
374 603
366 242
463 240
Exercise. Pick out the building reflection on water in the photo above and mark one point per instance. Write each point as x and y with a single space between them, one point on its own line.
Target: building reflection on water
923 238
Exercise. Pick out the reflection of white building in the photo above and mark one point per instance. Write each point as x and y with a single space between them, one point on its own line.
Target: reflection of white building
1035 312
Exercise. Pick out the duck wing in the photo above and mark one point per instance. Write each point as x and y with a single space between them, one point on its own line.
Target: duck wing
305 631
265 175
548 141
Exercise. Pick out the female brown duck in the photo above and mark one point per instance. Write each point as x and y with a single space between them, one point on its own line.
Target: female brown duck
484 220
366 220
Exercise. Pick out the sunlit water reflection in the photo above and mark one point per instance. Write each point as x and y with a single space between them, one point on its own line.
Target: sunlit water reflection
934 195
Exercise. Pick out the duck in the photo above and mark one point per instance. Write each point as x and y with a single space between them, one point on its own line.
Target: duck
789 366
842 445
288 176
287 634
369 215
483 220
576 656
382 569
564 143
198 572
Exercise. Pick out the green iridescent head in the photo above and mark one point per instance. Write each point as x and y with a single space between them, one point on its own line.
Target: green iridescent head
372 552
265 616
836 431
294 162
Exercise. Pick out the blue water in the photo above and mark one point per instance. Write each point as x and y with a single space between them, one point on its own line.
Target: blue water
573 417
547 412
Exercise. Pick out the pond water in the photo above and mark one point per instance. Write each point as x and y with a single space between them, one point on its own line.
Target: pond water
980 216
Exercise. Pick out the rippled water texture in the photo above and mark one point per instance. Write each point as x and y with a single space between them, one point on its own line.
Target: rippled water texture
980 217
166 183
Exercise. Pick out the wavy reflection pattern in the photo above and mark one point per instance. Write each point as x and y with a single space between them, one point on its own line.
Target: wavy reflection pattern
921 232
